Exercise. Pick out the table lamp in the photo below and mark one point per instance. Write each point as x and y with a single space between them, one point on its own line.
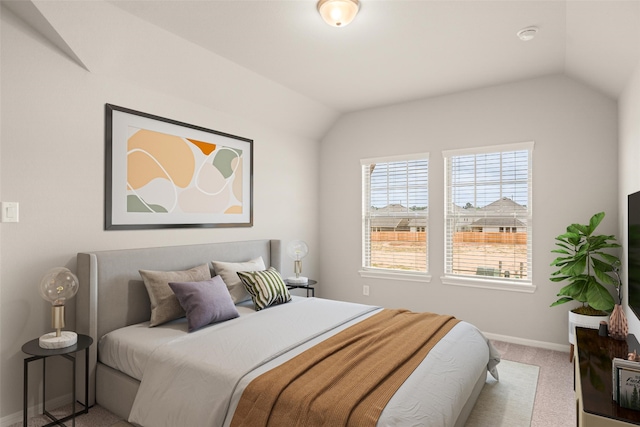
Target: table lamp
297 249
57 286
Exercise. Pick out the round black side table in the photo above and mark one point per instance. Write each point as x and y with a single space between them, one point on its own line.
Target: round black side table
33 348
308 286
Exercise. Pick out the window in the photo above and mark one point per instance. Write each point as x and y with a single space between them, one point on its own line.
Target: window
395 201
488 216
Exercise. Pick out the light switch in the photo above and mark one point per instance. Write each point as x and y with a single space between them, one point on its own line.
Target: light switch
10 212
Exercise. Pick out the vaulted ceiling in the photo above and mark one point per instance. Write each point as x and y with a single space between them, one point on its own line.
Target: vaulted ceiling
399 50
396 50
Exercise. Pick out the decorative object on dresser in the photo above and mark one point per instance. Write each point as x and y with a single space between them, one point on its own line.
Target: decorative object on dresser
618 324
297 249
626 379
585 263
603 330
57 286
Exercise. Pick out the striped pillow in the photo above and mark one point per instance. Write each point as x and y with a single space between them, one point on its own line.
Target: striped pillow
266 287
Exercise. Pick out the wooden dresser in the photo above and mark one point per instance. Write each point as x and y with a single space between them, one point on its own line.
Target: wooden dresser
594 383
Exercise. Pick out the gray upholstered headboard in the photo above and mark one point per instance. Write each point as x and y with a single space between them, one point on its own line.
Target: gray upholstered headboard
112 294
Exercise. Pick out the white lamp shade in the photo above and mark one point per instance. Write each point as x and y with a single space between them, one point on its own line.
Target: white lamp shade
58 285
297 249
338 13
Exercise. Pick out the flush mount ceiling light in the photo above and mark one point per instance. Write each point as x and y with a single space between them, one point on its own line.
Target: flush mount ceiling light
527 34
338 13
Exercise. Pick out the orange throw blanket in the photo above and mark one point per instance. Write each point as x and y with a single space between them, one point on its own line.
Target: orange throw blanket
347 379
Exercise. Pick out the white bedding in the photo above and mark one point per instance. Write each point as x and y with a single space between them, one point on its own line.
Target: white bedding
187 379
128 349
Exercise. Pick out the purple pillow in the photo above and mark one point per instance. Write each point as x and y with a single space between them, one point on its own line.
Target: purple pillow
205 302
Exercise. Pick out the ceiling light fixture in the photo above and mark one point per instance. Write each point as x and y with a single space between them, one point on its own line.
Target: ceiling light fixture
527 34
338 13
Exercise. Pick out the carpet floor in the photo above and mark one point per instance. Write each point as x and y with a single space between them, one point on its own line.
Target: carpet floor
553 404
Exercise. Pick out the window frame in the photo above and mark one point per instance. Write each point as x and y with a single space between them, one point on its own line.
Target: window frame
489 282
388 273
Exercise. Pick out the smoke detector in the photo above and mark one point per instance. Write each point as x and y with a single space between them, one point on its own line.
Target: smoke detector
527 34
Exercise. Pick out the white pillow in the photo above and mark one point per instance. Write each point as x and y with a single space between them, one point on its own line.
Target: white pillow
229 273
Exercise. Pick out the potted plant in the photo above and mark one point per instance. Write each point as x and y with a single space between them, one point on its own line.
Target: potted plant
587 267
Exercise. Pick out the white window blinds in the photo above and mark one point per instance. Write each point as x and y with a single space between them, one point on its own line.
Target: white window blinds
395 200
488 212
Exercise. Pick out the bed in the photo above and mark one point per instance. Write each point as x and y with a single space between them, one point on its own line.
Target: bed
142 373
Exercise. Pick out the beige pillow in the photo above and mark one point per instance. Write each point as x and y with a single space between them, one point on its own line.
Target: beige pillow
229 273
164 304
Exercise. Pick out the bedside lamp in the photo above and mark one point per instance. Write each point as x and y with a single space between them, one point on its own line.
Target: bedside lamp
297 249
57 286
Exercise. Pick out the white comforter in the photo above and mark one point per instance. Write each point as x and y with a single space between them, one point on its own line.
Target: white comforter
197 379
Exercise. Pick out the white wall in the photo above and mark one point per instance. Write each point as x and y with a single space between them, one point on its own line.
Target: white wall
52 163
629 170
574 176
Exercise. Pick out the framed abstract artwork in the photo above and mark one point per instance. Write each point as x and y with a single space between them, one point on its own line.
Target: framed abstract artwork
161 173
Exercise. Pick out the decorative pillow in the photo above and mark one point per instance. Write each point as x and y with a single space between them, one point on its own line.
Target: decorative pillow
228 271
265 287
204 302
164 304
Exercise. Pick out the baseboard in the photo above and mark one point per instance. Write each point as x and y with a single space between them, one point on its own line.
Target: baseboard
531 343
35 410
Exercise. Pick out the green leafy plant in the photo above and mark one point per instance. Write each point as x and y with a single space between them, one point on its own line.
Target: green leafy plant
586 267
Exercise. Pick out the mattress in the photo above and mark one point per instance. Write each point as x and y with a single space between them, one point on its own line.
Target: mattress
172 363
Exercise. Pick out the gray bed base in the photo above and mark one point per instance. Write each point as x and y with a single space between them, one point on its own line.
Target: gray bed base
121 402
112 295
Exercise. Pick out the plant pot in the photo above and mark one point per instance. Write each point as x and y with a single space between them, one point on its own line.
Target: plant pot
591 322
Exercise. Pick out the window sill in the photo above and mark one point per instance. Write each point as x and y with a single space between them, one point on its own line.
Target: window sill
393 275
500 285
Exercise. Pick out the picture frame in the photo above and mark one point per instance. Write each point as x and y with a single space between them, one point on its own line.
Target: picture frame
626 383
162 173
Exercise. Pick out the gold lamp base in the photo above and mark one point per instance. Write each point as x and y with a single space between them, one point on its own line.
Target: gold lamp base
58 339
297 269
